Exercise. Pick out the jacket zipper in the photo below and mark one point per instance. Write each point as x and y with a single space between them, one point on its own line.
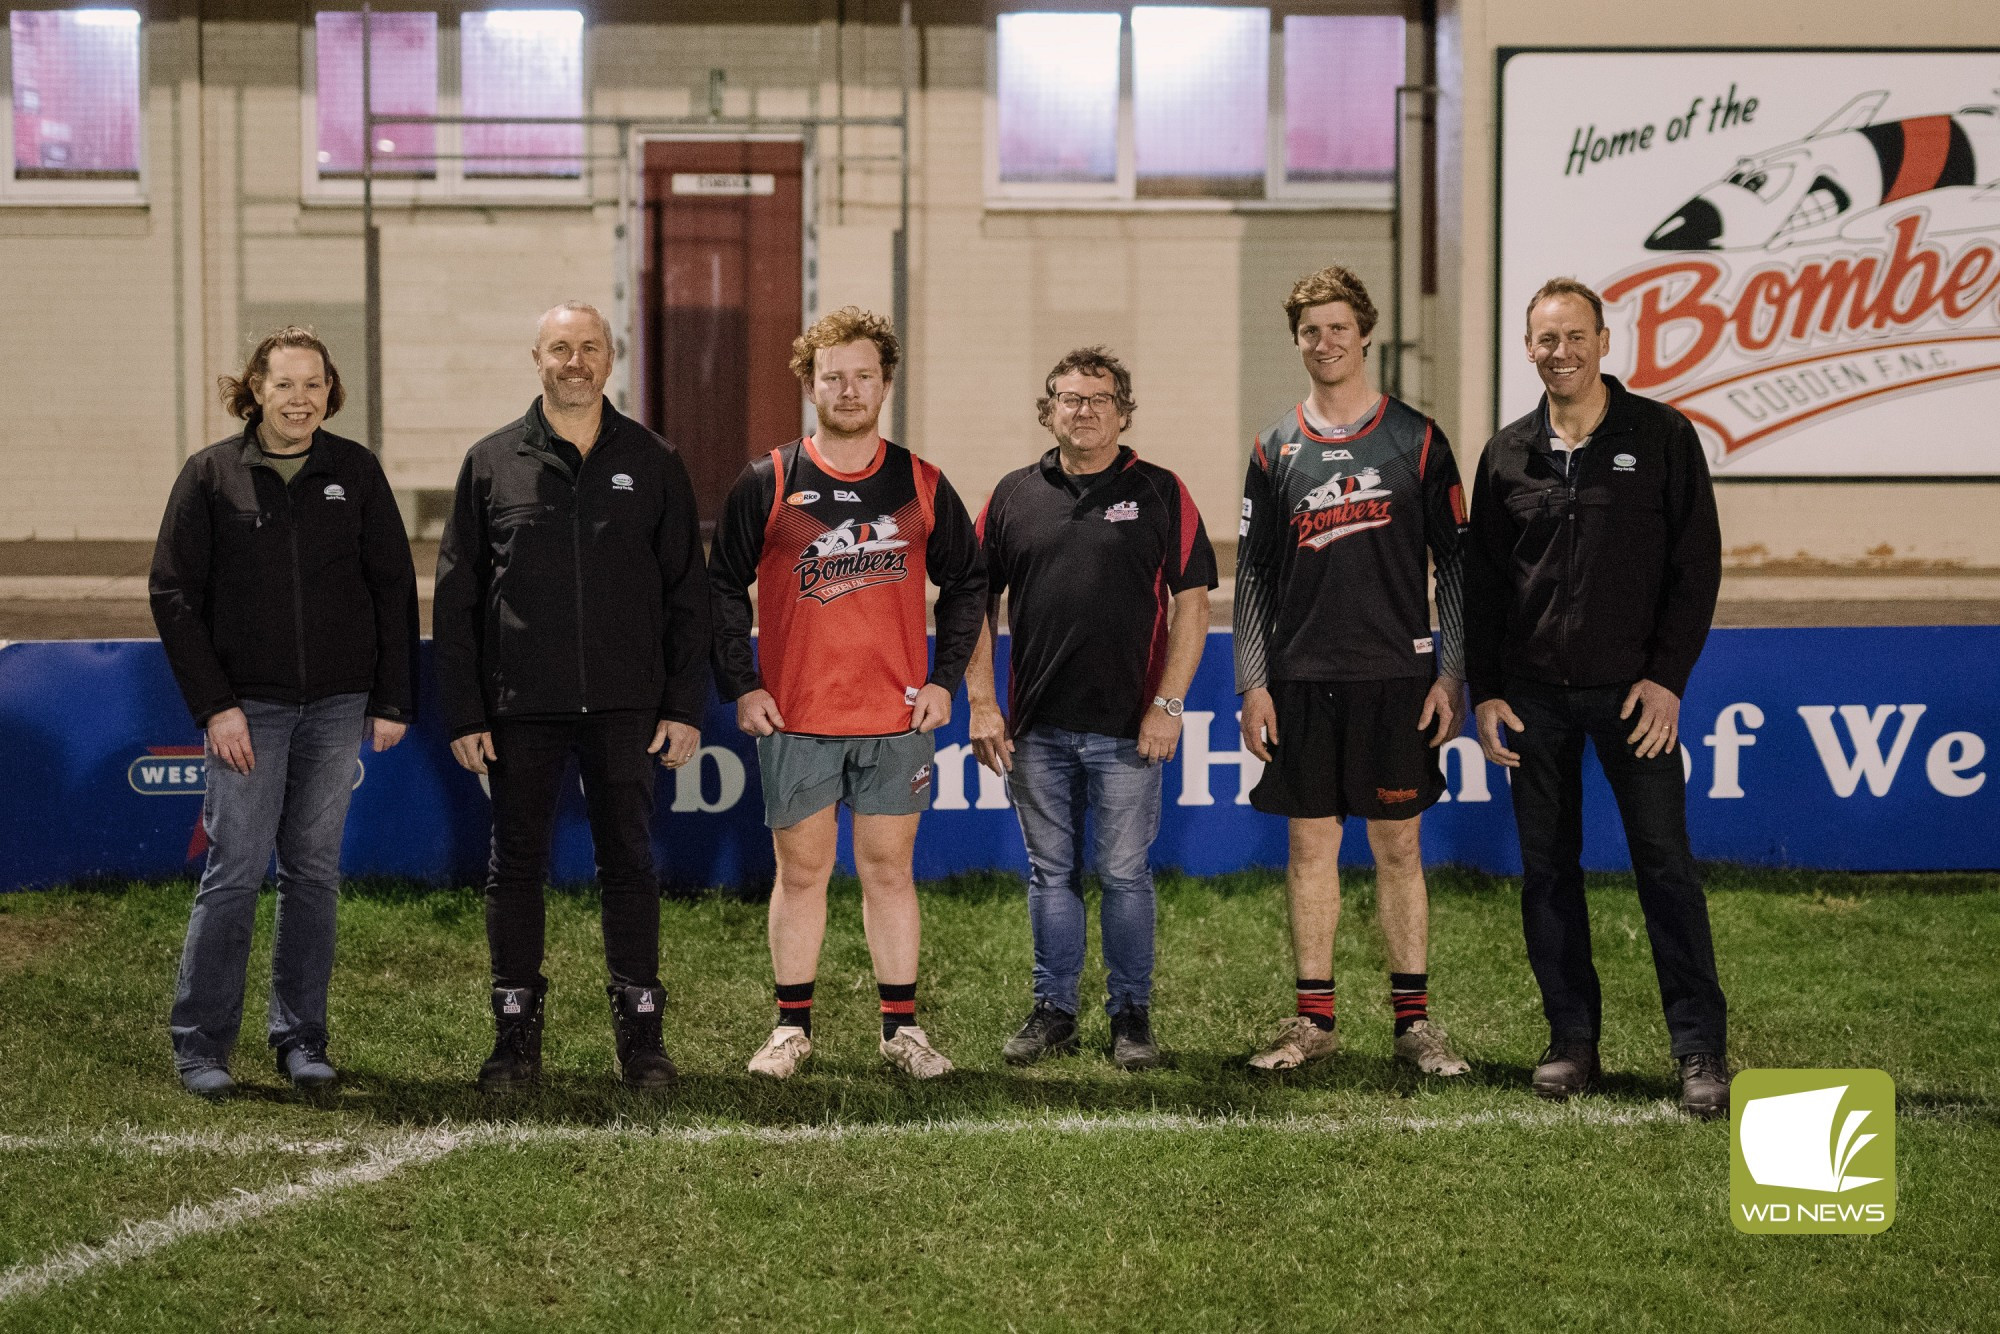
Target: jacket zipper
576 552
298 584
1572 463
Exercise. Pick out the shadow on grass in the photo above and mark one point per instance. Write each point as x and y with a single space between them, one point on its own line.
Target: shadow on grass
1192 1083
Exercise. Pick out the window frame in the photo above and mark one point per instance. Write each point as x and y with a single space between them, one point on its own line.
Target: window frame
1122 194
450 184
60 192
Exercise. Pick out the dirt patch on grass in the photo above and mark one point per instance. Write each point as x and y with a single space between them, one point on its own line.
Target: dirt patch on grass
26 938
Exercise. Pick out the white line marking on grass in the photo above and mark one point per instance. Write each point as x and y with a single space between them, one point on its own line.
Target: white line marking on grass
137 1240
158 1142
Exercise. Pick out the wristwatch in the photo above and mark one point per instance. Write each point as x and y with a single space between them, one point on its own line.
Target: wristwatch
1172 706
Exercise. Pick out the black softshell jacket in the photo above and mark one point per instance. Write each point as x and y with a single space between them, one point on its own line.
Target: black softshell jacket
563 592
1601 573
288 594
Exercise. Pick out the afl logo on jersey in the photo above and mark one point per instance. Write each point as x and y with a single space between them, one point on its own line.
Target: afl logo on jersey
802 497
852 556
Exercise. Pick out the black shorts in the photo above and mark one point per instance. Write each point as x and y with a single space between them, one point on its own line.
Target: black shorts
1350 748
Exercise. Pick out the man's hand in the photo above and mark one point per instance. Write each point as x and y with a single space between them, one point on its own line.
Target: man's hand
1445 702
757 714
1159 735
1488 720
474 751
1659 722
679 739
229 740
1260 722
384 733
991 745
933 709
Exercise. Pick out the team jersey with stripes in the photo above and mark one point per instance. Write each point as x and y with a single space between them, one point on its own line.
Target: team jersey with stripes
1089 578
839 560
1330 565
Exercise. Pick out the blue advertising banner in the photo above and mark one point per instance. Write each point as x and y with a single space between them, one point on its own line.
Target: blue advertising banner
1856 749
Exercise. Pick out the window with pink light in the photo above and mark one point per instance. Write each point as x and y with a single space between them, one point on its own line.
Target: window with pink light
522 62
1341 74
75 80
404 70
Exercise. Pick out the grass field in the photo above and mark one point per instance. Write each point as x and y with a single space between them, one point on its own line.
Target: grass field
1069 1196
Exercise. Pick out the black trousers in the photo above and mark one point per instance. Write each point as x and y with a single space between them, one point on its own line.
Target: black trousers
526 783
1652 802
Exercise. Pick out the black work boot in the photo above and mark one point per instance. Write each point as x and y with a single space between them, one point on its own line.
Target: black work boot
516 1061
635 1016
1566 1069
1132 1045
1049 1028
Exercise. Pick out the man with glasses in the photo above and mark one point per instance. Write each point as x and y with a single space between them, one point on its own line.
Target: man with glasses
1107 571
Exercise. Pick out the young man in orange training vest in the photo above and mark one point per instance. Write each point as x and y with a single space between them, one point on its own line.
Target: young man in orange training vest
839 531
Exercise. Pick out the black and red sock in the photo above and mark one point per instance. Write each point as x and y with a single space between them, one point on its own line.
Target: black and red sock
1410 997
795 1005
1316 1001
899 1006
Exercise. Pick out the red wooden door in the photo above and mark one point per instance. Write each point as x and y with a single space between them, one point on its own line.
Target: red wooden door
721 294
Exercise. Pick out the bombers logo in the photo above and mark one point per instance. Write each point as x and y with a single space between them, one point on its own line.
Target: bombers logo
1340 507
852 556
1751 359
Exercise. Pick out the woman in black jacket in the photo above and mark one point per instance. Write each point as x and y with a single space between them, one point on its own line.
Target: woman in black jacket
287 603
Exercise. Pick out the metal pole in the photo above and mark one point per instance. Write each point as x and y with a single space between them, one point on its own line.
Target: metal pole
900 257
1393 370
371 239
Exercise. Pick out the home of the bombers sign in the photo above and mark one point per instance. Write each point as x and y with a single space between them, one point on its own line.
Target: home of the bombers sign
1799 250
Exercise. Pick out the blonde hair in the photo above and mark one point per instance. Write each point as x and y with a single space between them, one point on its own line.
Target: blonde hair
1332 283
1566 287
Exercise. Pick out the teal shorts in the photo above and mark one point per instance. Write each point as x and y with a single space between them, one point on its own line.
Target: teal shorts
874 775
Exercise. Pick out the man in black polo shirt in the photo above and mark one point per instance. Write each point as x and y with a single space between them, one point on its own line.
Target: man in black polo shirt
572 616
1107 570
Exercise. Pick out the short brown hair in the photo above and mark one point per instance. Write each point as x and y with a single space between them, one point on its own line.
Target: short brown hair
847 325
239 392
1566 287
1332 283
1096 360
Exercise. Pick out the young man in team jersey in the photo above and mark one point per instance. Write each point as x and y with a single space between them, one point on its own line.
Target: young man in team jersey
839 530
1346 690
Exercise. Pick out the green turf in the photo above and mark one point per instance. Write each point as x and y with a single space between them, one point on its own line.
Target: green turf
1066 1196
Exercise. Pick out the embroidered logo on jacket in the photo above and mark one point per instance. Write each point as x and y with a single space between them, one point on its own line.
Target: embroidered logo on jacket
852 556
1340 507
621 481
335 491
1121 512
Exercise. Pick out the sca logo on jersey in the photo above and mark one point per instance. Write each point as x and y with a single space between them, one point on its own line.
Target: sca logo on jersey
335 491
621 481
852 556
1122 512
802 497
1340 507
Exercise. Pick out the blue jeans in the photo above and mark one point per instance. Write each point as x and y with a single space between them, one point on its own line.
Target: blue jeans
293 800
1059 778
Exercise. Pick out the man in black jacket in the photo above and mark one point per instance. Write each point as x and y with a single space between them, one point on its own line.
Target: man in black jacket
1591 581
572 615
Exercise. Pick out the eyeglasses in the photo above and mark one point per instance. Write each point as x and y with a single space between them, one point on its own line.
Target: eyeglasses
1098 402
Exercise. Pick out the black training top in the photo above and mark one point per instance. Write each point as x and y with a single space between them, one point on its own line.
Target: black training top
1330 571
1089 578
